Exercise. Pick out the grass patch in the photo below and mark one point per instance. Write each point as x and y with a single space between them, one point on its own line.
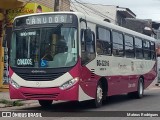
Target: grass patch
11 103
18 103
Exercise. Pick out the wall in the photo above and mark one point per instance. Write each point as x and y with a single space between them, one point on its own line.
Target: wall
64 5
47 3
29 8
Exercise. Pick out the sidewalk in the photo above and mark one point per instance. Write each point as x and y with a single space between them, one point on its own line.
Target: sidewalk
5 96
153 85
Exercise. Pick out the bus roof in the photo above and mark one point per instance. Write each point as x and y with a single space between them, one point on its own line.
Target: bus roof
98 22
118 28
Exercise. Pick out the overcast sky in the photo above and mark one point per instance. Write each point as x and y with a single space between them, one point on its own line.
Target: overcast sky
144 9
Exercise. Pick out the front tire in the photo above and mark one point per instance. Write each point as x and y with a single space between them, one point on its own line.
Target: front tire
45 103
99 96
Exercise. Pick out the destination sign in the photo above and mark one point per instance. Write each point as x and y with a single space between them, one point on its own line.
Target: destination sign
26 62
43 19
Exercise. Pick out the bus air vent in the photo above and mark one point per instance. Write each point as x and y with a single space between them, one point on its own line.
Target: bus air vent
92 73
32 96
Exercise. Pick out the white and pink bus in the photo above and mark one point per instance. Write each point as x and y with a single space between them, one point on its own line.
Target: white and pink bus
73 57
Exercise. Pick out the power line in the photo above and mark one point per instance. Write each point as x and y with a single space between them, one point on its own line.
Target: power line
87 6
73 4
81 7
94 10
84 9
91 11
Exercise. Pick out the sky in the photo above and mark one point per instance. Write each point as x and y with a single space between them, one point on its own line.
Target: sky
144 9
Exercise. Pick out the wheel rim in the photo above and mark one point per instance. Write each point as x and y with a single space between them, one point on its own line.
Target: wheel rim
141 88
99 94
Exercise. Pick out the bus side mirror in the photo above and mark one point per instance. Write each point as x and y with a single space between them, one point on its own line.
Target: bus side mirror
88 35
89 38
158 52
158 49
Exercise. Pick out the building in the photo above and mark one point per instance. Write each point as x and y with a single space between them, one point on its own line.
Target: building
4 6
110 13
143 26
156 27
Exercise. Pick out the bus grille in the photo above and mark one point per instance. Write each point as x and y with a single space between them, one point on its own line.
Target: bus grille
40 77
29 95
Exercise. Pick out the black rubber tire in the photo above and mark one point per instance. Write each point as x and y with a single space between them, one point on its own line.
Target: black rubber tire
139 93
45 103
98 101
140 90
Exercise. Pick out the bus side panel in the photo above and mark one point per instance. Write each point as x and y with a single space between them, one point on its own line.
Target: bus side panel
132 83
87 84
149 77
113 85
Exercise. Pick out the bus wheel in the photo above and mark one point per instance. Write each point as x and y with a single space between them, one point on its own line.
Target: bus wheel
45 103
99 96
140 90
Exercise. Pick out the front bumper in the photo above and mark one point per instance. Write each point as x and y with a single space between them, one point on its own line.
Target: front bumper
44 93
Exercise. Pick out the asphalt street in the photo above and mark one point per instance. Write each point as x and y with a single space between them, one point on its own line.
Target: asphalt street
73 110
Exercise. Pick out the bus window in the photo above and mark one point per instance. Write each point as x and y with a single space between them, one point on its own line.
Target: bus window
83 49
117 44
153 53
129 48
138 47
146 50
55 48
103 45
25 46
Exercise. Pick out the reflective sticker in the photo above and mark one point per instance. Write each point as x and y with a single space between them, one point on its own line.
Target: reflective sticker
43 63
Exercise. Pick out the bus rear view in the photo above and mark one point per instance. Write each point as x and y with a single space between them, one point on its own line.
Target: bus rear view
43 53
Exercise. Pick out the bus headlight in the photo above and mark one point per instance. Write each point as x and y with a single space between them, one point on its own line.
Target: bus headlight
14 84
69 84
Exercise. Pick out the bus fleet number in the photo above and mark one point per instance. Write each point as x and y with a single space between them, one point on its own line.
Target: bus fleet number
102 63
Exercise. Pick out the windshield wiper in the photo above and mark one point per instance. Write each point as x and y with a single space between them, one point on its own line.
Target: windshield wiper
58 27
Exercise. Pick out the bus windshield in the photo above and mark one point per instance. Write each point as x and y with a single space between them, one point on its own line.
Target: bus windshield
44 47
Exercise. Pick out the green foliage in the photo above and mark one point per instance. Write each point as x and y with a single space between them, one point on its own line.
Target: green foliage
11 103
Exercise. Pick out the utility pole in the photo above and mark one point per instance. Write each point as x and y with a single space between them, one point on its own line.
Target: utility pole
62 5
56 5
